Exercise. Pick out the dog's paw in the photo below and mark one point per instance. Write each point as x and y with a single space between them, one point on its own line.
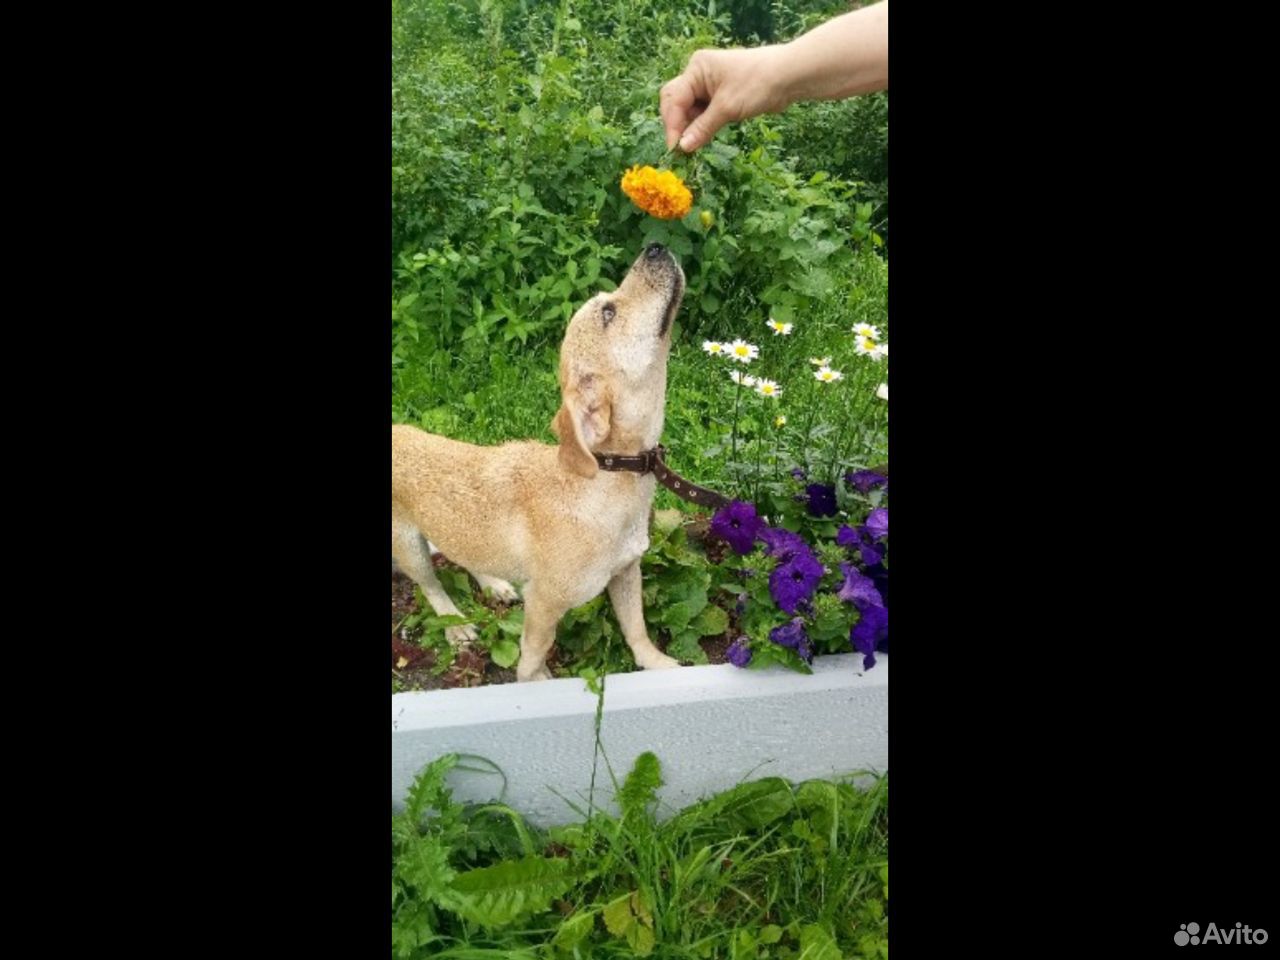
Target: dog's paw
541 673
503 591
659 661
457 636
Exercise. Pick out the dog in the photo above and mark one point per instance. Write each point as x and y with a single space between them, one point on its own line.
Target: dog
546 515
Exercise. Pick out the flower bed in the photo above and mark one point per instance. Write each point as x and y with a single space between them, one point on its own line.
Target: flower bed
731 588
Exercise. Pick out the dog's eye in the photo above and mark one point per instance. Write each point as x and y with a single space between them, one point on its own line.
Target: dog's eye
608 312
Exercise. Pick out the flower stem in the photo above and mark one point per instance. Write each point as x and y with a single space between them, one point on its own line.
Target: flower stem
759 444
737 396
813 412
777 467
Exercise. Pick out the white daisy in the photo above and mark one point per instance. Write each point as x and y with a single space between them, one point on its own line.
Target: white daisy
767 388
867 347
737 376
882 392
743 352
866 331
713 348
779 328
827 375
820 361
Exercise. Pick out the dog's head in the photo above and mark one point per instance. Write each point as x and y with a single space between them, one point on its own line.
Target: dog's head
613 364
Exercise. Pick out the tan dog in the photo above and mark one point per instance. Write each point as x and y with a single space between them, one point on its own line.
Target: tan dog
548 516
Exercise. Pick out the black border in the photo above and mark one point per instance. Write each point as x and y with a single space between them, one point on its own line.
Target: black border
1081 715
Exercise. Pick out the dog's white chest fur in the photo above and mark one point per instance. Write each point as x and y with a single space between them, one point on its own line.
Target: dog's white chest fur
619 522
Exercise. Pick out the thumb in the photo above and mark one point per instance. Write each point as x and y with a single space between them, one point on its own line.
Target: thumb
702 129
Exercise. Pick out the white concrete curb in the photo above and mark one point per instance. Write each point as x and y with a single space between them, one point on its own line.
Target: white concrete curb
711 727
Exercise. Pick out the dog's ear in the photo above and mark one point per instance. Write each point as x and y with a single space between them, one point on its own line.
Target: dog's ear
581 422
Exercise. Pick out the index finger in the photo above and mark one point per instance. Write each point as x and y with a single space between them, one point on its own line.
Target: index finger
676 100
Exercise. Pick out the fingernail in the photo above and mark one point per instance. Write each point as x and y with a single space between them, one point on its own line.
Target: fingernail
685 141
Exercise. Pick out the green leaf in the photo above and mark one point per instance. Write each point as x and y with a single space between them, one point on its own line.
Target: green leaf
681 243
513 622
640 938
752 805
769 654
771 934
745 807
711 622
573 931
678 615
667 520
617 915
499 895
423 863
642 783
505 652
429 790
686 647
820 802
817 944
640 907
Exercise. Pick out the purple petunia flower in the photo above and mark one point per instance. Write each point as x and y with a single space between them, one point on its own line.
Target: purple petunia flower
822 499
858 588
738 525
864 481
871 630
878 523
798 473
739 654
792 636
782 544
789 634
794 582
860 538
880 577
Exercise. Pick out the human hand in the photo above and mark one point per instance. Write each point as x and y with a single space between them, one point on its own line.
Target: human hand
719 87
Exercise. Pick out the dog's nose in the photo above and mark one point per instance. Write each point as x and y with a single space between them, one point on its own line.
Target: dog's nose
653 251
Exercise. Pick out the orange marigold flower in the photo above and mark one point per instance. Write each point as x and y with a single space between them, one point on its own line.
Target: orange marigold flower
659 193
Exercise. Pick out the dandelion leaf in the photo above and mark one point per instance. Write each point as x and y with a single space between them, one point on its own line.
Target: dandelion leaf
499 895
642 783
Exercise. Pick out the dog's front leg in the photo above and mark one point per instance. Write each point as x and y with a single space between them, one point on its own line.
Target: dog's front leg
624 592
541 615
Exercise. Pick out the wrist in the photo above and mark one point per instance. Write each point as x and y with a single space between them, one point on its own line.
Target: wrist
782 75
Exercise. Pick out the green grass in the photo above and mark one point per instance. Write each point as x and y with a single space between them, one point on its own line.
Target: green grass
766 869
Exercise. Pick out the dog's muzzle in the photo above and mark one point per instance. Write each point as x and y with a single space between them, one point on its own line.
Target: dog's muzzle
654 253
